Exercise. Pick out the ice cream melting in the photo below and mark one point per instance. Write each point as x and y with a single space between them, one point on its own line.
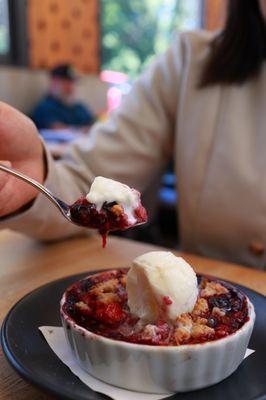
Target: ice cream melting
161 286
104 190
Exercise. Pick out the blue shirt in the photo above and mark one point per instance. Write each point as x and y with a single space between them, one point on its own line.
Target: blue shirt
51 110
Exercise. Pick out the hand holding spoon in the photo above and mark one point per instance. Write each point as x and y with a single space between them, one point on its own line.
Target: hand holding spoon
110 217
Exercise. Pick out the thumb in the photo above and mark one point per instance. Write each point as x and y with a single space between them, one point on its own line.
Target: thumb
4 176
6 163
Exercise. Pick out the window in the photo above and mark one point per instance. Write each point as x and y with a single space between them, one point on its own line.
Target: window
4 30
134 31
13 32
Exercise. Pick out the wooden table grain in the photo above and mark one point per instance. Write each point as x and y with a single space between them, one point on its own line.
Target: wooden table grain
27 264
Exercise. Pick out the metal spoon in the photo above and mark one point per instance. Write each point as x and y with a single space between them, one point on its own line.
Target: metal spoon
62 206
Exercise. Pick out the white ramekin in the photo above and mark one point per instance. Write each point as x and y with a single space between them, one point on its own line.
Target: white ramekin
157 369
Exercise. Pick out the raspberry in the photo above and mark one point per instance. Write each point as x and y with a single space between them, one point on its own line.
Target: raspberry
167 301
110 313
141 214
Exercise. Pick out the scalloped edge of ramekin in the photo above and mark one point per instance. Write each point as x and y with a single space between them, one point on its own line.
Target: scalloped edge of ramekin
154 369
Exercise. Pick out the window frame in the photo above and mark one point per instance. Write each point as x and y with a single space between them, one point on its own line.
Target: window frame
5 57
18 34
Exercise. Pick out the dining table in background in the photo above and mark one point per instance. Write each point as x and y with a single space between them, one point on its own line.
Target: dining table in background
26 264
58 140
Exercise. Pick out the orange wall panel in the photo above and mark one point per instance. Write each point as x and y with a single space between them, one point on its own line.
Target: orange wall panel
64 31
215 11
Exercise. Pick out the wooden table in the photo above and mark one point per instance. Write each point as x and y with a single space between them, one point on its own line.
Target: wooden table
27 264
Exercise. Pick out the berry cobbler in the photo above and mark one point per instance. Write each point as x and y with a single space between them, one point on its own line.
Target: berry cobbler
109 206
160 323
99 303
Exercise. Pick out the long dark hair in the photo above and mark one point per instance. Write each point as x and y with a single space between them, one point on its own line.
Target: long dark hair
239 51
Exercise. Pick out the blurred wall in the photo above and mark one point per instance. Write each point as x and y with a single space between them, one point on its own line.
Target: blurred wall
64 31
22 88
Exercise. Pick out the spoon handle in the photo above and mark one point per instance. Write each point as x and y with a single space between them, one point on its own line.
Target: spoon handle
57 202
27 179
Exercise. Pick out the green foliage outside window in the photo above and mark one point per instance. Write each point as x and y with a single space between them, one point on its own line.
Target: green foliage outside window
133 31
4 27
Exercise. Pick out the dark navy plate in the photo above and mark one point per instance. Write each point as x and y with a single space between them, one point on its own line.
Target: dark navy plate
29 354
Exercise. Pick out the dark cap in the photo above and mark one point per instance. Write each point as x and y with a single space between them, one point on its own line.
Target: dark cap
64 71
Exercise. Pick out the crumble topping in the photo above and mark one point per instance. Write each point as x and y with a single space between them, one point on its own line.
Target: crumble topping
105 287
184 321
202 331
218 312
212 288
201 307
117 210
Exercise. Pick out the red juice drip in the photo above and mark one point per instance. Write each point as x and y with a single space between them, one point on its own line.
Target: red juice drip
104 237
167 300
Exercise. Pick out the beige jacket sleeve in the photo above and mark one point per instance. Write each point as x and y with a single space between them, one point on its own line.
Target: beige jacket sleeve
130 147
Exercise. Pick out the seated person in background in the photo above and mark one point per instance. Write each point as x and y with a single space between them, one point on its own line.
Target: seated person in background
59 109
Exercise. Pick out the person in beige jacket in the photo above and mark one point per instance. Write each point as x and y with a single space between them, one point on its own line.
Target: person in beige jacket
195 104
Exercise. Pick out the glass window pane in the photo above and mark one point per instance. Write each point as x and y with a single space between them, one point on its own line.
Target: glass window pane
173 16
4 27
134 31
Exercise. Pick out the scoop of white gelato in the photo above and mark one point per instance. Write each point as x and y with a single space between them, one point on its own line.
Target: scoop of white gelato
161 285
107 190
